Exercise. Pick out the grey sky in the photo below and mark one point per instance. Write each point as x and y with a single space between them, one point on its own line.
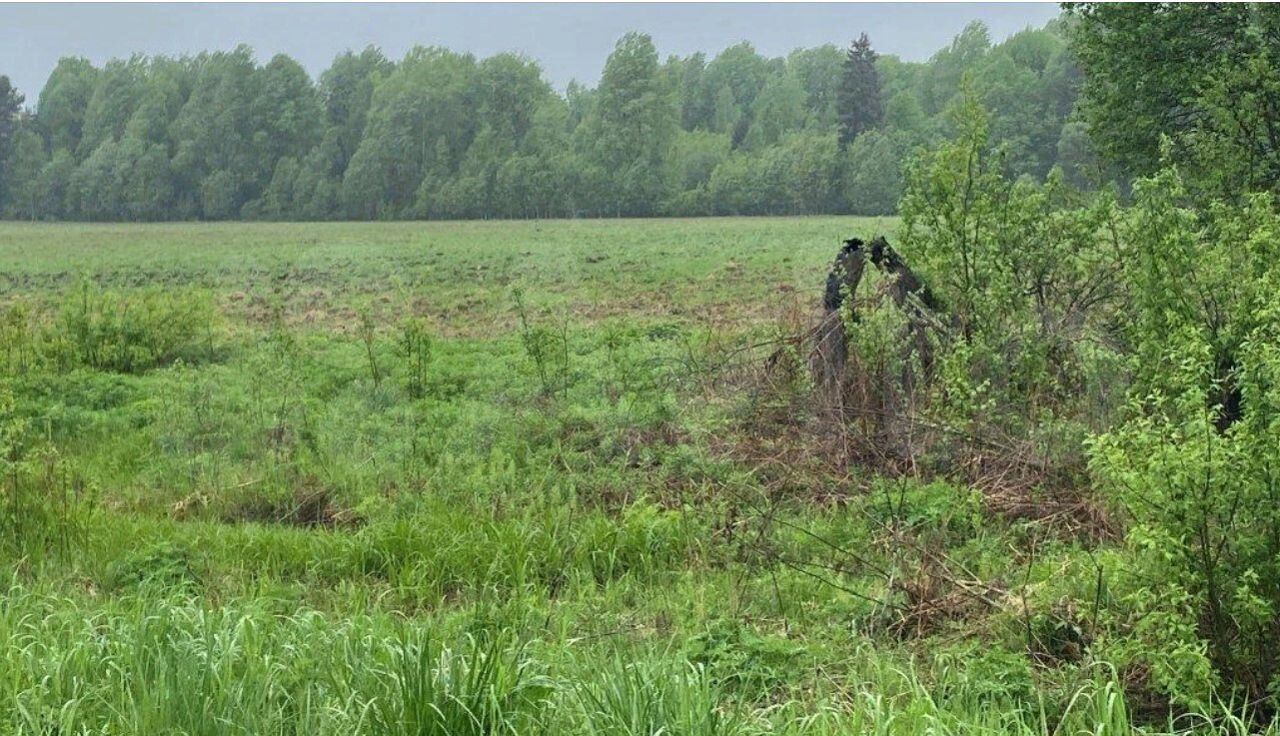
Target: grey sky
571 41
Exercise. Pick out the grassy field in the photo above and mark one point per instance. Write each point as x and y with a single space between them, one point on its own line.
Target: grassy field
484 478
458 275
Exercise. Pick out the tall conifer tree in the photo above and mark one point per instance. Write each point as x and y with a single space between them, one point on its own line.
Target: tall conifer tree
859 99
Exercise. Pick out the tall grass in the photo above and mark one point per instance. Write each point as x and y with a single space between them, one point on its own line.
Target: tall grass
481 689
642 697
158 664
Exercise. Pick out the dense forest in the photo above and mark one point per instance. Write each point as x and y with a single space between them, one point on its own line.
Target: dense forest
441 134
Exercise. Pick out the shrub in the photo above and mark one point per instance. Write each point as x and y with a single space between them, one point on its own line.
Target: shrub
121 332
1000 359
132 333
1024 271
1193 463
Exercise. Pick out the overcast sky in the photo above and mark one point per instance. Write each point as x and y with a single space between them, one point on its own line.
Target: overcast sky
570 40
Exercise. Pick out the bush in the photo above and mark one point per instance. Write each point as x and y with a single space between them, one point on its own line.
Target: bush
132 333
1193 464
1025 271
121 332
1002 359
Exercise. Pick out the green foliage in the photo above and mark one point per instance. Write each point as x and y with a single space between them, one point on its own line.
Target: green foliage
976 676
743 661
873 174
65 101
547 347
10 107
111 331
1022 276
1192 463
161 567
633 122
1024 271
1212 92
643 697
44 503
106 330
415 349
444 135
276 542
24 162
859 103
482 690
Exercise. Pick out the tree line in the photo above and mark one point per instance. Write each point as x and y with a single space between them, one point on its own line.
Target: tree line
441 134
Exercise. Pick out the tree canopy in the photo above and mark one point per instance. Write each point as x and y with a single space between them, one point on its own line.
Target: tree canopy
441 134
1203 76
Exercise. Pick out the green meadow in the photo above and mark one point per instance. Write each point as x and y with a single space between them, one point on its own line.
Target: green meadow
494 478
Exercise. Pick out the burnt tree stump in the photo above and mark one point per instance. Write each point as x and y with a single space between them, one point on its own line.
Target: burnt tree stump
876 396
905 288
